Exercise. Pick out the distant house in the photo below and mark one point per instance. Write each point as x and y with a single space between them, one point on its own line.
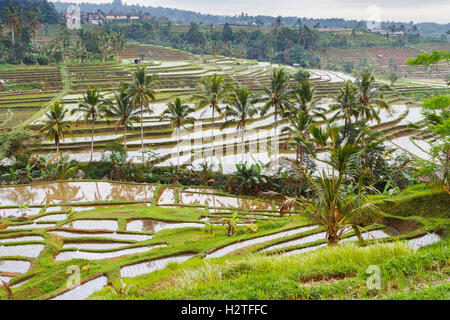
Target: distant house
110 15
163 18
121 16
388 33
96 18
146 16
134 16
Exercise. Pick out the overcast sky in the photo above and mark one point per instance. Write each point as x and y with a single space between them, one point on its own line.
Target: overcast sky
393 10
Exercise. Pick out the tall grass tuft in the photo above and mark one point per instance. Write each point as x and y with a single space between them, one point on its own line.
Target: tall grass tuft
339 257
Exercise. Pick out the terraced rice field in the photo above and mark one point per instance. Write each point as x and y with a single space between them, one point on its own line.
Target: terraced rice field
382 58
179 74
30 88
126 232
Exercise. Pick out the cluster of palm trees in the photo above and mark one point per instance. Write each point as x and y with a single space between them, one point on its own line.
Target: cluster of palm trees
356 103
107 43
126 106
15 17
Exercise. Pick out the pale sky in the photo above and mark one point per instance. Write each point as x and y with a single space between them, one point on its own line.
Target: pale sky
393 10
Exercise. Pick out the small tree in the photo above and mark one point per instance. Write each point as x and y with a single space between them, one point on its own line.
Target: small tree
55 124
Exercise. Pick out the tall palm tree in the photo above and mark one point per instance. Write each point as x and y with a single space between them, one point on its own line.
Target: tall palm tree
78 50
55 124
298 128
213 91
123 111
34 18
370 97
141 92
89 106
277 94
304 100
177 113
118 43
242 106
347 106
13 16
104 44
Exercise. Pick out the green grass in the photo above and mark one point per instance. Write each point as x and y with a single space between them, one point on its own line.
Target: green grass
419 200
329 273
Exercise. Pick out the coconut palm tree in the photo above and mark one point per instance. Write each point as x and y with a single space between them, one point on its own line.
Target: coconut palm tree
104 44
89 106
177 113
303 100
277 94
122 111
370 97
13 16
55 124
333 204
78 50
242 106
118 43
347 106
213 91
34 18
141 92
299 131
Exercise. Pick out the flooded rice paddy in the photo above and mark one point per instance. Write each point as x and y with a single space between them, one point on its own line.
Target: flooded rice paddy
241 244
114 236
72 192
153 226
111 225
14 266
69 255
151 266
83 291
26 250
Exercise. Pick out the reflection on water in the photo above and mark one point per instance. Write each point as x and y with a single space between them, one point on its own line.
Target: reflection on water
84 291
28 250
14 266
16 212
111 225
151 225
21 239
61 192
425 240
212 200
95 245
151 266
304 240
303 250
68 255
114 236
167 197
241 244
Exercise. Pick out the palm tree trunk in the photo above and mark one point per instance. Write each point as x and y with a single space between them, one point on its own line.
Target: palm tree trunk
125 137
142 132
13 38
92 141
178 146
302 151
243 143
212 135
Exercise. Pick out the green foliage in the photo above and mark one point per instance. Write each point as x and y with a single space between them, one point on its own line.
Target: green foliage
14 142
302 75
